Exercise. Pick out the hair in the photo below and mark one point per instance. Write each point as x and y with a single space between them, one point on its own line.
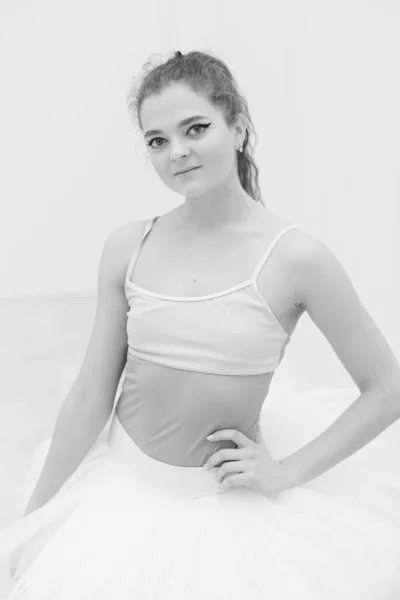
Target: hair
209 77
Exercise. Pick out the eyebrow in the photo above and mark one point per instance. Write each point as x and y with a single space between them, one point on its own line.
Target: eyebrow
180 124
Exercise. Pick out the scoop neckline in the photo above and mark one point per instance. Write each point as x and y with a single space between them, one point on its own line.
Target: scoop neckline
240 286
208 296
251 281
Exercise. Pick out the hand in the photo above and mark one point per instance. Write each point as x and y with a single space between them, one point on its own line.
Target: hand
249 465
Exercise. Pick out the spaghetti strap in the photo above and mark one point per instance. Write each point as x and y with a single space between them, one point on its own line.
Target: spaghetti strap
268 251
138 247
135 517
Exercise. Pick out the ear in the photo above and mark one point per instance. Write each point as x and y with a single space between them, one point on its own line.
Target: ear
240 126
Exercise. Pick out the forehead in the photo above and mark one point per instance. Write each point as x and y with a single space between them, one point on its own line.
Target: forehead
171 105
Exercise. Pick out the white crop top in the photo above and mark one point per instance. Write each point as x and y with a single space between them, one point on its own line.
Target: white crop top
196 365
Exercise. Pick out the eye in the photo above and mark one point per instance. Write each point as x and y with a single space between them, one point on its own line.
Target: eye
202 125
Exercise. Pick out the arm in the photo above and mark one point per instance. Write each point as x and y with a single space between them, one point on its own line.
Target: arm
324 289
89 403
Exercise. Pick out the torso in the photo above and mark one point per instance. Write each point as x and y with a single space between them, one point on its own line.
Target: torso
176 263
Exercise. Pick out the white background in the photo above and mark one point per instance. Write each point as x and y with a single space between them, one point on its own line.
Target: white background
322 83
323 87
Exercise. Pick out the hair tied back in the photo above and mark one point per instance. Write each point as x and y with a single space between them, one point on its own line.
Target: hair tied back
210 78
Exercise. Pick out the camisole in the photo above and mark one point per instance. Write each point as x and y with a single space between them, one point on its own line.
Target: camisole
196 365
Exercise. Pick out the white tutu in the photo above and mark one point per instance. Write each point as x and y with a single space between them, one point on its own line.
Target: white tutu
128 527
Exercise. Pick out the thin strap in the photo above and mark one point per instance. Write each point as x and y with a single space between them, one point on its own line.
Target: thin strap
138 247
269 250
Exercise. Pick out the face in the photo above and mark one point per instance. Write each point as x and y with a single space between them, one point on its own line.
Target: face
206 142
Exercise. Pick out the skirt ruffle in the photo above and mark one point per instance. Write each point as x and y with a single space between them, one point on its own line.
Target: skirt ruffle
129 527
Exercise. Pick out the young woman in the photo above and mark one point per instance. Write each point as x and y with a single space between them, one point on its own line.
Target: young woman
198 306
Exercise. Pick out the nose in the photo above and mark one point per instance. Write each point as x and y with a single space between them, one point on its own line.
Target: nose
179 151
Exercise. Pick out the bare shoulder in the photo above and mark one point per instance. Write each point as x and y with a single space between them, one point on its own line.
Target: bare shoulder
129 232
297 246
319 277
299 257
120 244
302 247
307 258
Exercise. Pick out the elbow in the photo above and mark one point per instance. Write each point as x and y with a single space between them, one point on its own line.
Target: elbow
394 398
391 400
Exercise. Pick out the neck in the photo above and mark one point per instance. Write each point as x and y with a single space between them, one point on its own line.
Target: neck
216 210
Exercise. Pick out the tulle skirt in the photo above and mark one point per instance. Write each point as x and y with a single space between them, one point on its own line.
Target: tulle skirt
128 527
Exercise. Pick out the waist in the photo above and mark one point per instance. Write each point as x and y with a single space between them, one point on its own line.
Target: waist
170 412
157 475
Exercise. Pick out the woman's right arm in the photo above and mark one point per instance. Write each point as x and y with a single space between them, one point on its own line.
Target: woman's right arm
89 403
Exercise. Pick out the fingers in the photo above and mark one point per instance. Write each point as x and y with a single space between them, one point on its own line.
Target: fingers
239 438
235 466
227 454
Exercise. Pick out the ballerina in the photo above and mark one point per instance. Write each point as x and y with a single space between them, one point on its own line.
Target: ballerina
184 497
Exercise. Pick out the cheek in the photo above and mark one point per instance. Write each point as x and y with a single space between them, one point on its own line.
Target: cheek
220 163
220 155
161 166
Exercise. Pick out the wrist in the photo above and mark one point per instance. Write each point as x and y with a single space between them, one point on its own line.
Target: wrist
290 478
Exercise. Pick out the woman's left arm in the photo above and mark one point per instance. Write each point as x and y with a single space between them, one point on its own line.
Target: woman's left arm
325 291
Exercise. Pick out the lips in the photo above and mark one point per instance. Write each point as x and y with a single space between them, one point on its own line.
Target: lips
186 171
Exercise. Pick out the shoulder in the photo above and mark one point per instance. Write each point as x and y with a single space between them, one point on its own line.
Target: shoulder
119 245
124 237
304 249
306 261
126 231
316 270
297 247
